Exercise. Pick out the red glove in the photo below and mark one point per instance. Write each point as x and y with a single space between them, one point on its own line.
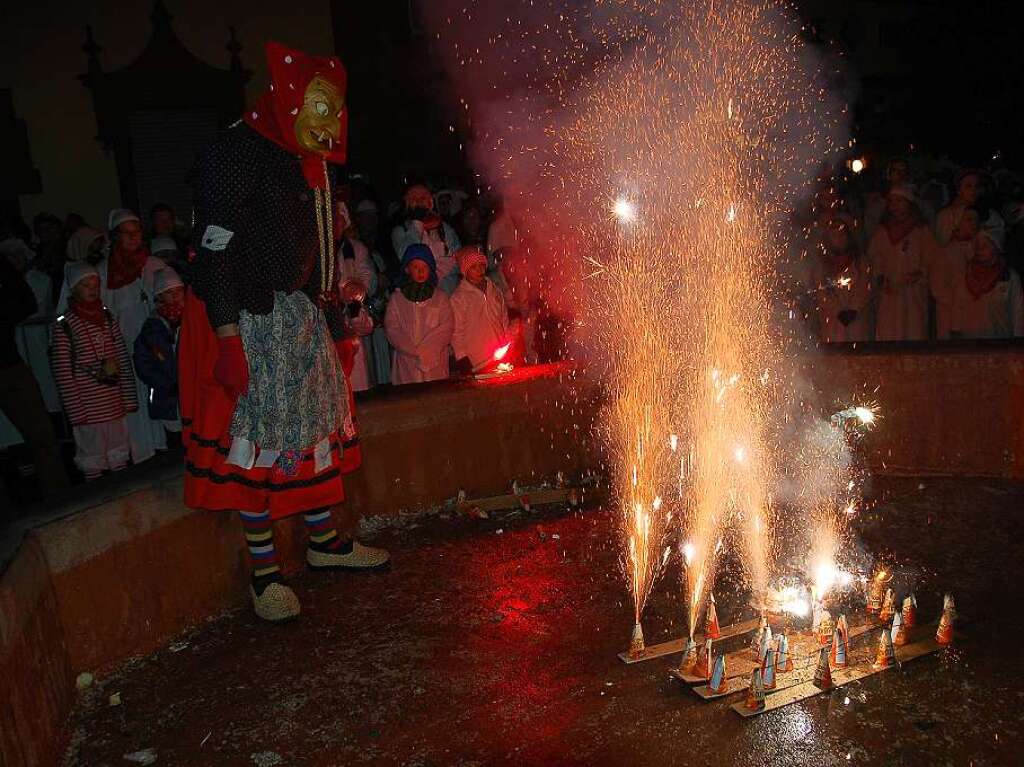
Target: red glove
232 369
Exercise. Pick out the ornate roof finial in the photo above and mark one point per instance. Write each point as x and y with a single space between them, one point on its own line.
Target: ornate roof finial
161 19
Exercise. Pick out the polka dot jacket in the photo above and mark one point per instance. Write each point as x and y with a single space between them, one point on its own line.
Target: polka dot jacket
256 230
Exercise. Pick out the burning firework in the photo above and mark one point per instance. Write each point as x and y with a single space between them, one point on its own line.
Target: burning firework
708 113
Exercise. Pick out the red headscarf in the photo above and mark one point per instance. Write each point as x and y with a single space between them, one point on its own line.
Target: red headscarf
273 115
125 266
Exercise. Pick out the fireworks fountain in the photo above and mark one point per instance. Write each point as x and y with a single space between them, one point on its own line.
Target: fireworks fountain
662 147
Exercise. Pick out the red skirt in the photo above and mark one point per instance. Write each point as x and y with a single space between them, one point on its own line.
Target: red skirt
206 411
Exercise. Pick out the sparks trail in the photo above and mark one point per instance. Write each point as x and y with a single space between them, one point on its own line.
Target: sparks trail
658 148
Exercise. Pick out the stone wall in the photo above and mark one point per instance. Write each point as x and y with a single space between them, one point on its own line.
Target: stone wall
117 576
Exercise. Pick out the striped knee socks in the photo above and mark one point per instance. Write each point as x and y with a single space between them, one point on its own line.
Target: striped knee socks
259 537
323 535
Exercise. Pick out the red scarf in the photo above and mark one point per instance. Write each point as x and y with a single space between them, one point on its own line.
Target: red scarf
273 114
124 267
982 277
91 311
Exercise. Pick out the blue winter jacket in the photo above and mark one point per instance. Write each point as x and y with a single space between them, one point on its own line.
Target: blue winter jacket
156 365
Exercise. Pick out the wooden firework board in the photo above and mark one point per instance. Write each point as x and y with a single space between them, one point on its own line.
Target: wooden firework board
803 649
678 645
862 668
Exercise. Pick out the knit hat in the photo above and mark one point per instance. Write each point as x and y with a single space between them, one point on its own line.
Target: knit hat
417 251
80 242
119 216
162 245
76 271
468 256
166 279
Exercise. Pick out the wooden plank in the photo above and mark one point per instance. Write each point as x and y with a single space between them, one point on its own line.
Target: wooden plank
538 497
740 663
678 645
840 676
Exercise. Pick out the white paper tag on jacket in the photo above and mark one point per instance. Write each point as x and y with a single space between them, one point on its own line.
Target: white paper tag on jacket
242 453
216 237
266 458
322 454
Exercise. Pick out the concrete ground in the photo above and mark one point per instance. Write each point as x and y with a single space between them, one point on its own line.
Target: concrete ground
494 642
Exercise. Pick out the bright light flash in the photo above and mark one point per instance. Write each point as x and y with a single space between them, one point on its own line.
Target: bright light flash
688 552
865 415
857 165
624 210
501 351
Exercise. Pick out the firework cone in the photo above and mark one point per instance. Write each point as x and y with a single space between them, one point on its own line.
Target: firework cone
783 660
755 693
886 655
689 657
944 634
888 607
825 628
909 611
768 670
875 591
702 668
837 654
755 641
636 644
766 643
899 630
823 673
713 630
718 682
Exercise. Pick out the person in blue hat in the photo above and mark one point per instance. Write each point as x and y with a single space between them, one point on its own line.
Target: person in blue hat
419 321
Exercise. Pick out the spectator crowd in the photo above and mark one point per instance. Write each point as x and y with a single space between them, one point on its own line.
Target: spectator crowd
434 287
917 259
91 317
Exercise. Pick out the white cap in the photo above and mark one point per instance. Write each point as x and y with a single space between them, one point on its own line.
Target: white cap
166 279
119 216
76 271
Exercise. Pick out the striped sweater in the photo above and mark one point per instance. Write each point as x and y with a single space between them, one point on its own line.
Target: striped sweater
79 348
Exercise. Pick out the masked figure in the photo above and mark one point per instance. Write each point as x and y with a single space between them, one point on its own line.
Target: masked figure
264 404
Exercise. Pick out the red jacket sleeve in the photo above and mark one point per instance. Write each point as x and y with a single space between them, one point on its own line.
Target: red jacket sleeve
64 375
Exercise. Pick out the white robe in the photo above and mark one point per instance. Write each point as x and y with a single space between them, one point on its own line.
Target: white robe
902 268
420 334
996 314
946 272
33 338
481 322
131 305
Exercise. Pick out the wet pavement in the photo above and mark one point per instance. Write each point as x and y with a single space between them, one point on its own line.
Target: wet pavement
494 642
